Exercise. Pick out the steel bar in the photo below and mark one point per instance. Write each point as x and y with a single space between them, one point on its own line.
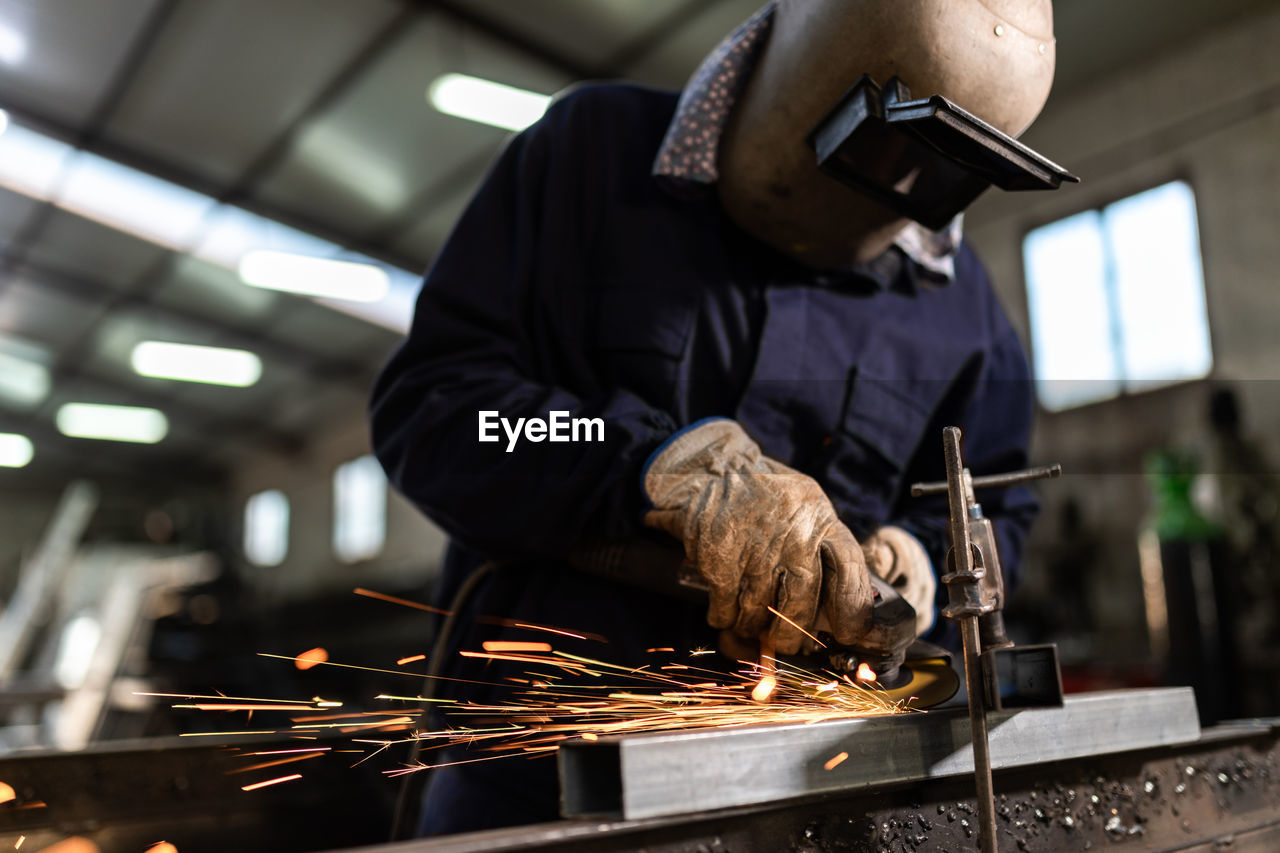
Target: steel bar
666 774
965 593
1220 792
973 682
992 481
127 795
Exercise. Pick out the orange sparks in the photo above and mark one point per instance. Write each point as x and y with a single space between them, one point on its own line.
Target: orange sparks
505 646
310 658
162 847
567 664
286 751
585 635
835 761
265 764
764 688
214 706
324 718
382 596
585 699
797 627
6 792
223 698
256 785
865 673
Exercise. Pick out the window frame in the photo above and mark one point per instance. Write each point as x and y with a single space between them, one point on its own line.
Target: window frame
336 545
1098 205
288 528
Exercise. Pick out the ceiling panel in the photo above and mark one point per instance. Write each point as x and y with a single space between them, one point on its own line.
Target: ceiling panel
302 409
215 91
381 143
63 54
587 32
279 379
669 64
43 315
191 431
59 459
330 335
1096 36
282 378
113 349
118 334
199 287
423 239
83 247
15 210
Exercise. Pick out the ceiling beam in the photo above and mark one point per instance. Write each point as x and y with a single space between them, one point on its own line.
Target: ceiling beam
41 120
506 33
321 369
616 65
461 178
59 459
183 414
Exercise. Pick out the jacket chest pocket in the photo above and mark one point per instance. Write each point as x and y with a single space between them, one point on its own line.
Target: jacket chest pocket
638 339
882 424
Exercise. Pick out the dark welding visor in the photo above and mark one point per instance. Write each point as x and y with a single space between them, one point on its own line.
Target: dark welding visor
928 158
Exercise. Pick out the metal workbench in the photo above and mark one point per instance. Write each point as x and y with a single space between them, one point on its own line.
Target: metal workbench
1170 788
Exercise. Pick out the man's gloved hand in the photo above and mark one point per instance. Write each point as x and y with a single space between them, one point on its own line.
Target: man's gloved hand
899 558
760 534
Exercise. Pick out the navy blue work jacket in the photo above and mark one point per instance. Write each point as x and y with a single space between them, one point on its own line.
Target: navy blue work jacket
575 282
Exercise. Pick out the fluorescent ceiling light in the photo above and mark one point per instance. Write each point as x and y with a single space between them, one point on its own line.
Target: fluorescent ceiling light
15 450
190 363
233 232
391 311
132 201
168 215
113 423
30 162
13 45
487 102
4 121
314 276
23 382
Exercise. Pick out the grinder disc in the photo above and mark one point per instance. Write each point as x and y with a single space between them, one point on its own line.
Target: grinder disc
928 682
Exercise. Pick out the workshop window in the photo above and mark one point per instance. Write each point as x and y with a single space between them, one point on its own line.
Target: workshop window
266 528
1117 300
359 509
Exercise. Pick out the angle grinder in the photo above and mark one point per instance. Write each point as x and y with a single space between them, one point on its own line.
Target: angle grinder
905 668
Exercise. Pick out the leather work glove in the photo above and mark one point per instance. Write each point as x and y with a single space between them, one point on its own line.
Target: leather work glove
760 534
898 557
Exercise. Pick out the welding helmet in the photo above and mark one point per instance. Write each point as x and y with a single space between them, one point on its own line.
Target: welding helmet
913 103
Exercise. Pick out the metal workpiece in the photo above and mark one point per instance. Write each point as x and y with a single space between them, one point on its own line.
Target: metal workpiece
667 774
127 795
1219 793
